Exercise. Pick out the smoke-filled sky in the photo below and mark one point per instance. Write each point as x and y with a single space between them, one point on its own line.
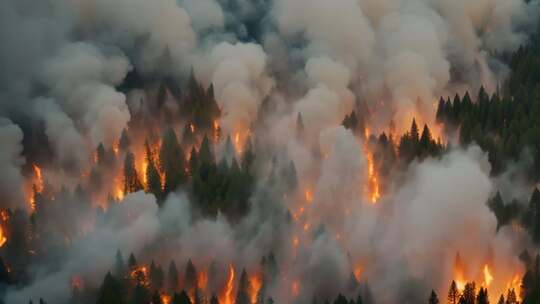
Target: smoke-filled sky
62 62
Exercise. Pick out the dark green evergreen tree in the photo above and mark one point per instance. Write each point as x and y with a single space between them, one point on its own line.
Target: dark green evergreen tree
110 291
131 178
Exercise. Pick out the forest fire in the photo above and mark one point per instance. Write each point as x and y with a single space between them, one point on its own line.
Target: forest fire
262 152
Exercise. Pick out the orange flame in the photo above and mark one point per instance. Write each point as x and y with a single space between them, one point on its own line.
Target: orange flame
256 284
237 144
39 178
227 296
488 278
116 148
140 275
515 284
165 299
3 238
366 133
459 273
192 128
309 196
373 182
202 280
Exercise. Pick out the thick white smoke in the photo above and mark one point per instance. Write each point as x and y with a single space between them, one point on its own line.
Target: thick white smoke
238 72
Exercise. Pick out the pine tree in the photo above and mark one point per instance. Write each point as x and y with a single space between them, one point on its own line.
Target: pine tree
171 161
433 299
214 300
156 298
482 297
440 116
153 180
4 273
426 144
131 179
141 294
124 141
181 298
132 262
414 132
469 293
340 299
300 129
172 276
248 157
501 300
193 161
101 157
205 152
534 214
190 278
110 291
453 294
120 266
242 295
511 297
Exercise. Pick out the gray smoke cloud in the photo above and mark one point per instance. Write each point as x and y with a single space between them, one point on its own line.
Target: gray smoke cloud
11 161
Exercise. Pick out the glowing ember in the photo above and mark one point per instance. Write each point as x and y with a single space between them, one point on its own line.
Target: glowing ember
3 238
227 296
488 278
76 282
256 284
165 299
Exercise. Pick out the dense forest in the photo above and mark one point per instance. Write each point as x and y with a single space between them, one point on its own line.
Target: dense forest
267 151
